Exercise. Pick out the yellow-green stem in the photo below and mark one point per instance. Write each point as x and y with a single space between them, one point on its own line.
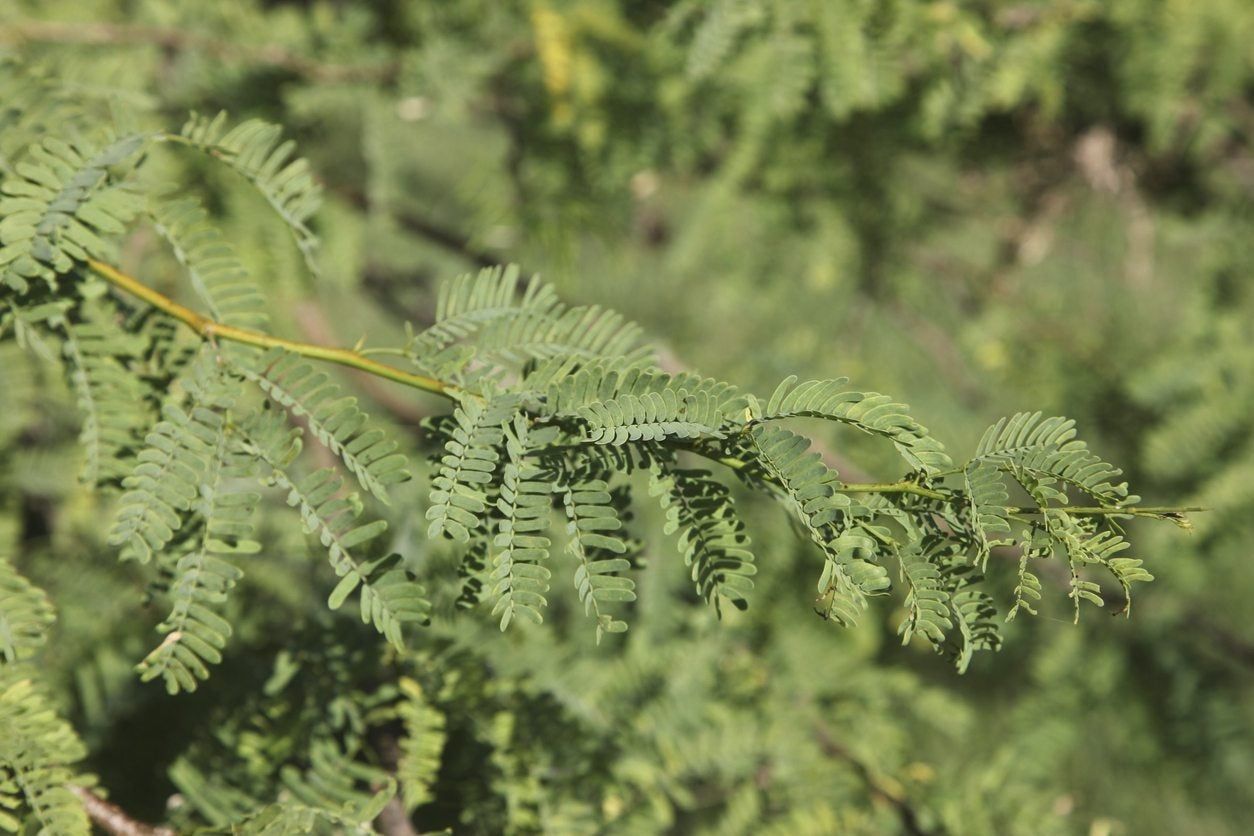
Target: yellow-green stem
212 330
891 487
1111 511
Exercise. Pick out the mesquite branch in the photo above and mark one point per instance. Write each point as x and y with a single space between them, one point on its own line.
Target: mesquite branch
110 34
113 819
210 329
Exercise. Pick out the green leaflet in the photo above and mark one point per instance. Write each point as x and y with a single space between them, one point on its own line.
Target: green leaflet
1084 546
653 416
214 270
977 627
333 418
108 394
422 746
339 785
486 311
459 492
255 149
986 504
849 573
927 601
1046 450
467 303
289 818
1027 591
37 746
61 206
519 579
588 391
25 616
389 598
331 794
868 411
593 519
712 539
204 576
168 473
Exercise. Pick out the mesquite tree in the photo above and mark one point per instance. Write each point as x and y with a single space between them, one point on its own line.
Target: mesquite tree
194 415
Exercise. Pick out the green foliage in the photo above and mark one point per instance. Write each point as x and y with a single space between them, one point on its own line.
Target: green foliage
35 755
25 615
334 420
870 412
712 538
38 746
203 575
459 492
110 399
983 206
255 150
550 403
183 450
421 749
389 597
520 581
214 271
59 203
593 516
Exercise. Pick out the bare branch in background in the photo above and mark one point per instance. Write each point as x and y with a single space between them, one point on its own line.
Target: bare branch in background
113 819
128 34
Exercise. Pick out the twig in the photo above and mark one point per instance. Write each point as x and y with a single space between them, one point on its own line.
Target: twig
209 329
451 240
129 34
113 819
895 798
392 820
313 324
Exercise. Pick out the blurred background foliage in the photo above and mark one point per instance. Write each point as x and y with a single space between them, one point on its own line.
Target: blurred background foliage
979 207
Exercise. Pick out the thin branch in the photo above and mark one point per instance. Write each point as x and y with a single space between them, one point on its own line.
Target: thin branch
113 819
892 487
313 324
211 330
1159 512
392 819
130 34
878 788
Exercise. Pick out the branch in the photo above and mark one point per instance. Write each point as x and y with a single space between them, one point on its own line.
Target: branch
1175 515
452 240
128 34
113 819
211 330
312 323
879 788
392 819
892 487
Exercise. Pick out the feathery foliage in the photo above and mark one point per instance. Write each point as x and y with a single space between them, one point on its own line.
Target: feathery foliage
789 168
334 419
38 747
550 404
256 150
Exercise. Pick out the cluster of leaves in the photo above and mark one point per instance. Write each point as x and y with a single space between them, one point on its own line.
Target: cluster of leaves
553 406
709 118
